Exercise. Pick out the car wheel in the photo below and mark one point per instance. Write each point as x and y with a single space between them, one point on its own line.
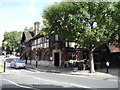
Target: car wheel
15 66
10 66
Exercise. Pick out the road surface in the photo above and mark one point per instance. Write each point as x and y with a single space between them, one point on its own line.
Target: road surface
33 79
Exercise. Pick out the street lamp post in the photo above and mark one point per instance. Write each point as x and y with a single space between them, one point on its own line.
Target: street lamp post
4 65
5 43
36 57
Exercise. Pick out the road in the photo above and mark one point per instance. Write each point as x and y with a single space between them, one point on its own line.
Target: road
32 79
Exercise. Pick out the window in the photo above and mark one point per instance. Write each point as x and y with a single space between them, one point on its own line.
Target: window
32 42
32 47
56 37
43 39
44 45
39 46
38 40
35 42
71 44
66 44
72 56
47 40
36 46
47 44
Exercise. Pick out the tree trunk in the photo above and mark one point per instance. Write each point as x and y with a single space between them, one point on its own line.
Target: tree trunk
92 70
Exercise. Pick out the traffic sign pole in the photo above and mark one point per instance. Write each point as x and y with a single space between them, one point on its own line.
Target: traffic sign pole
4 66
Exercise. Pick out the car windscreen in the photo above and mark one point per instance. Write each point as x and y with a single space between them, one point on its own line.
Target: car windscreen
19 61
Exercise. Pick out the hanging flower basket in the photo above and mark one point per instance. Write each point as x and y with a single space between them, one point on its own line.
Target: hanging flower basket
47 51
63 50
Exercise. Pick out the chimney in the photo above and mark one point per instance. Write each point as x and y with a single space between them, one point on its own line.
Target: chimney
36 27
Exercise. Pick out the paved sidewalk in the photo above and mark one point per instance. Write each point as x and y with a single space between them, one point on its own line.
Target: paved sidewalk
112 71
71 71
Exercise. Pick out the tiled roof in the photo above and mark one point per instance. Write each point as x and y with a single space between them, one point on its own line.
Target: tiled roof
26 36
102 48
114 46
37 36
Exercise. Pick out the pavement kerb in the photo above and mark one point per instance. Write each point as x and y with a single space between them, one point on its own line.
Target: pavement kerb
92 74
70 73
86 73
6 72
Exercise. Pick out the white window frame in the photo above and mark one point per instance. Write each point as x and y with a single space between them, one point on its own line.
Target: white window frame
47 44
66 44
56 37
72 44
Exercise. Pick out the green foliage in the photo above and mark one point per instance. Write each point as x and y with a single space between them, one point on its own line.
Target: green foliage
116 21
13 41
89 24
76 21
28 29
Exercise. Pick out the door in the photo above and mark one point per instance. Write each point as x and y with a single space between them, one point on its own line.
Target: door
56 59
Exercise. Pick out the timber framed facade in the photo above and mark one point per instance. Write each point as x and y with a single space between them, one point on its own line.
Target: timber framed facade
56 52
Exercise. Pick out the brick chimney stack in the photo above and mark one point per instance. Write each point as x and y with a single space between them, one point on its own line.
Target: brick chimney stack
36 27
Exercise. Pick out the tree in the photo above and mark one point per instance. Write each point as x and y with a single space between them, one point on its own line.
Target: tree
87 23
28 29
116 21
13 41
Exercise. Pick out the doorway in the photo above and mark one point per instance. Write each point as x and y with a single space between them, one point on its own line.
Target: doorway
56 59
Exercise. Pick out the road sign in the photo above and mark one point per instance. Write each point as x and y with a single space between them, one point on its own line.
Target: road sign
1 67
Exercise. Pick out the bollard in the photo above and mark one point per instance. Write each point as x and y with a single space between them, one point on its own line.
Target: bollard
36 64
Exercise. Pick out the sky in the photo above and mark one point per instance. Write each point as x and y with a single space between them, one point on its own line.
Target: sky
15 15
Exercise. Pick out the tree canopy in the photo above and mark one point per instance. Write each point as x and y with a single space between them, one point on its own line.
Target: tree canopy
28 29
116 21
12 41
89 24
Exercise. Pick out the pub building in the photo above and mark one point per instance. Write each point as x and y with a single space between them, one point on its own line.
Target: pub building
56 52
53 51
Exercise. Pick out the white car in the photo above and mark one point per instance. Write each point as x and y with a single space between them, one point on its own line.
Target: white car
17 63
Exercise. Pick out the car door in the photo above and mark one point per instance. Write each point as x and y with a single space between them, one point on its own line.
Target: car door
13 63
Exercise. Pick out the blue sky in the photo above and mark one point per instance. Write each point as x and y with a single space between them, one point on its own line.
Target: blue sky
15 15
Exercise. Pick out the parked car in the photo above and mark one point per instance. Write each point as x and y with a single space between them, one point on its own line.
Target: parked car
17 63
8 55
10 58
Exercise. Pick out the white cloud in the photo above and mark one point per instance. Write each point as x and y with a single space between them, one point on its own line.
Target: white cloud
23 18
32 10
18 25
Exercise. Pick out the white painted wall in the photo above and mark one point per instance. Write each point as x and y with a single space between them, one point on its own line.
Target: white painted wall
42 63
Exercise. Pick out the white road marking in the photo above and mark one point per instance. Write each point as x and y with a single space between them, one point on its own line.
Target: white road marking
85 77
81 86
63 74
15 83
114 80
